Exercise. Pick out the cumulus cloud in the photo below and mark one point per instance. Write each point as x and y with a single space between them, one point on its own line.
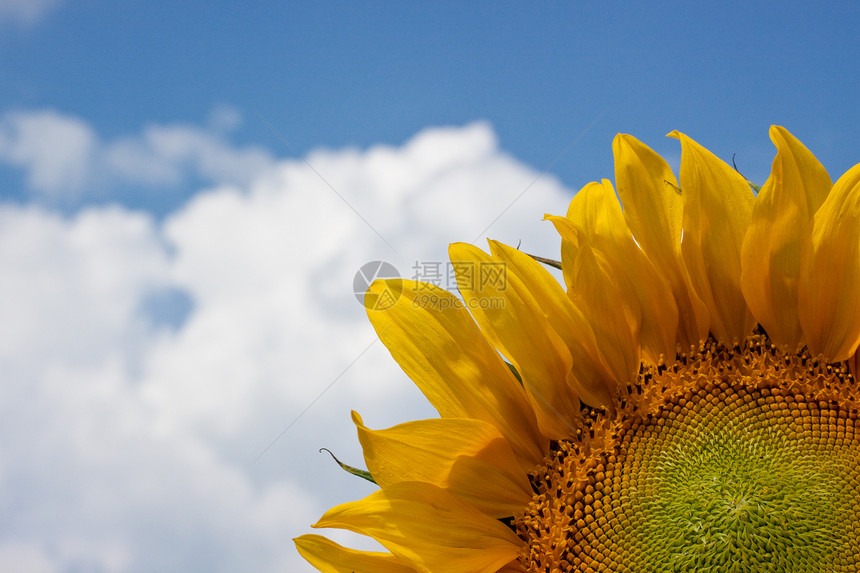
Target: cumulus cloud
25 11
134 424
63 157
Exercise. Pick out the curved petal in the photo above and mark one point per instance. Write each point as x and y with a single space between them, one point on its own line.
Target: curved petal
329 557
780 227
434 339
611 305
513 567
513 321
429 528
653 209
466 457
596 212
829 282
590 376
717 208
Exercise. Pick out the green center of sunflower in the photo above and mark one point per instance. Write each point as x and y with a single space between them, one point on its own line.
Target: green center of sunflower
743 459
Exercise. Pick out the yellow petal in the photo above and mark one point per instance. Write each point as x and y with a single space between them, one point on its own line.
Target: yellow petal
513 567
514 322
780 228
609 302
329 557
466 457
829 285
434 339
596 212
429 528
564 317
717 208
591 378
653 209
570 239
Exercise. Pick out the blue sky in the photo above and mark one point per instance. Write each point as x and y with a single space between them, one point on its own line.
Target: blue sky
176 282
344 74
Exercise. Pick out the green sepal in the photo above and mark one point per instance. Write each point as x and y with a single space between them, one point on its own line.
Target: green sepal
364 474
548 262
515 372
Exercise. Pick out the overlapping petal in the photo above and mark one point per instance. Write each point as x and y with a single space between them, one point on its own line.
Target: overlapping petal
608 299
653 209
513 567
466 457
514 322
429 528
829 280
780 229
717 208
595 214
330 557
591 377
434 339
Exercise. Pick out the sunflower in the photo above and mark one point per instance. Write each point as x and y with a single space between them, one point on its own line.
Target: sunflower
686 402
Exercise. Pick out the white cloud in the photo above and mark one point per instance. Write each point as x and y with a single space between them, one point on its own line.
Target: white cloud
62 157
25 11
57 151
224 119
24 558
131 440
166 154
